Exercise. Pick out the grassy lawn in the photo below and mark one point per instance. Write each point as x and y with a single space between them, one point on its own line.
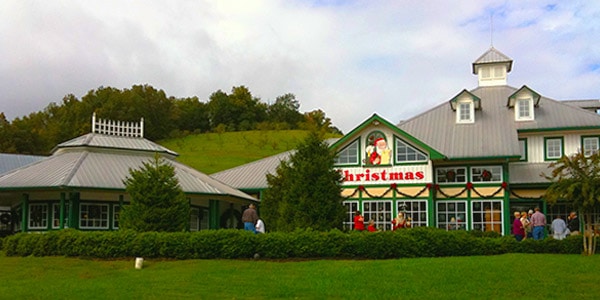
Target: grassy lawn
510 276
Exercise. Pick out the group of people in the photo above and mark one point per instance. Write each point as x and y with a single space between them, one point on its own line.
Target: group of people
251 220
532 224
397 223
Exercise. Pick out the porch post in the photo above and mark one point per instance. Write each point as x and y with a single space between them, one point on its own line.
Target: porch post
61 219
24 212
213 214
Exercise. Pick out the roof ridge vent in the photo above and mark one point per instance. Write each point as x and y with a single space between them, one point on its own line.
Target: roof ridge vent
118 128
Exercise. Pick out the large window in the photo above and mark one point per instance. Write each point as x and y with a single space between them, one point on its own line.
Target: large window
416 210
590 145
351 207
553 148
348 155
486 174
380 212
487 215
451 215
38 216
406 153
451 175
93 216
198 218
56 215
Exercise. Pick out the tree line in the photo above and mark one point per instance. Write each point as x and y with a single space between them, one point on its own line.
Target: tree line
164 116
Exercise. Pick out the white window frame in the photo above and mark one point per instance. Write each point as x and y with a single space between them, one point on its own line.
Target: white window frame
414 209
590 148
345 156
43 223
380 211
460 175
56 215
553 146
481 214
477 172
410 150
351 207
523 149
89 222
444 217
524 109
466 107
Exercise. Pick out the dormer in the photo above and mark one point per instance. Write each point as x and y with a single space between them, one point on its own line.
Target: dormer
492 68
523 101
465 104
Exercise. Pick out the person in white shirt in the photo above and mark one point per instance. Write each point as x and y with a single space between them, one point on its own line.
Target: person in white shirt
559 228
260 226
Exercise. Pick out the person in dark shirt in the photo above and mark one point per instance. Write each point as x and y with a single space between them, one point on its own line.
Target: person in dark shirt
250 217
573 223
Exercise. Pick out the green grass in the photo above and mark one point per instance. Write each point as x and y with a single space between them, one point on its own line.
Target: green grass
213 152
510 276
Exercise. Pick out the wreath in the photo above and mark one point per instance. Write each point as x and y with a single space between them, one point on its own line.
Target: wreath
5 218
450 175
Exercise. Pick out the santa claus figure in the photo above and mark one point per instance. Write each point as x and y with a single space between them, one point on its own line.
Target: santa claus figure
379 153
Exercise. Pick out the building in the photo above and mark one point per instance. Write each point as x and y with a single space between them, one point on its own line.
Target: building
81 184
465 164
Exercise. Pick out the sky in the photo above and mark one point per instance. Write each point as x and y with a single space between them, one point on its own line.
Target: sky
350 59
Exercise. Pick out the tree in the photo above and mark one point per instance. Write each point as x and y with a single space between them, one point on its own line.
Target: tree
285 110
157 201
305 192
576 180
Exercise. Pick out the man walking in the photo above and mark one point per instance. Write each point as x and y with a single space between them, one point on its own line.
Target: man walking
538 220
250 217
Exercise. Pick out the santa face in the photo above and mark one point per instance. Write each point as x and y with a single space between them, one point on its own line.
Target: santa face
381 145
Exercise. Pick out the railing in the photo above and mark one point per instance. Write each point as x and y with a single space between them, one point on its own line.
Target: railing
118 128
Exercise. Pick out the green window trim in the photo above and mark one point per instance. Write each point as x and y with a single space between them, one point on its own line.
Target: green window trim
524 156
353 144
562 148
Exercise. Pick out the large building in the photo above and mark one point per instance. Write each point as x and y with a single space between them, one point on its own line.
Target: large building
81 185
465 164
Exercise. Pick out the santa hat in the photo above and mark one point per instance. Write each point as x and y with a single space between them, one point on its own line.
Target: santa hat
378 140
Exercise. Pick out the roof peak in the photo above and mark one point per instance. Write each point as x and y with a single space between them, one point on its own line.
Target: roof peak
493 56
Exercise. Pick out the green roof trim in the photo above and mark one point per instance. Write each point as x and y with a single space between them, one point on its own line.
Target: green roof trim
557 129
513 97
375 119
454 100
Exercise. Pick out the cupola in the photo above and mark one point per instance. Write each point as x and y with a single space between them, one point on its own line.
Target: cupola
492 68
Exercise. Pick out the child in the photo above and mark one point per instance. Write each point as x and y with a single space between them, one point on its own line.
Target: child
371 226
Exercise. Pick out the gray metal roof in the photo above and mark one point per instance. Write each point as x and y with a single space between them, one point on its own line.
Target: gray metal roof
493 56
9 162
115 142
103 167
590 104
495 131
528 172
252 175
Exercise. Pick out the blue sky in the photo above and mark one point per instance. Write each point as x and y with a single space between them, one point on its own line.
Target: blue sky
349 58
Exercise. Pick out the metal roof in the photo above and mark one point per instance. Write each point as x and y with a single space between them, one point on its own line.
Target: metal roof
252 175
9 162
101 166
495 131
528 172
493 56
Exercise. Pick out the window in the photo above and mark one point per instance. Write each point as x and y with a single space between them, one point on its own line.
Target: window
56 216
464 113
487 215
406 153
116 215
380 212
38 216
451 215
194 219
498 72
93 216
451 175
553 148
348 155
559 209
416 210
377 151
524 109
523 149
351 207
486 174
486 73
589 145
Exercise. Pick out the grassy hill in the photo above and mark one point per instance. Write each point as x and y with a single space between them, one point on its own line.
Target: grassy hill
214 152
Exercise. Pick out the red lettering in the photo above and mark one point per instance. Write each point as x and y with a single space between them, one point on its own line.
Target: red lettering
409 175
420 175
367 173
348 176
375 176
396 176
359 177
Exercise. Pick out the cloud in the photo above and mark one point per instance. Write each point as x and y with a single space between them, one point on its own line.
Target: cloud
349 58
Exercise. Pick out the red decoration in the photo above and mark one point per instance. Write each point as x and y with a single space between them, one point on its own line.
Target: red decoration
361 187
486 175
469 185
429 185
393 186
437 186
504 184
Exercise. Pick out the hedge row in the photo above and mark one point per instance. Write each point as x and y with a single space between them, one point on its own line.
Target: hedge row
231 243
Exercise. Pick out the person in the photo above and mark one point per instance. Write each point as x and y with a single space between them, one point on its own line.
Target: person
517 228
529 228
250 217
559 228
399 221
526 223
359 221
573 223
260 226
371 227
452 225
538 220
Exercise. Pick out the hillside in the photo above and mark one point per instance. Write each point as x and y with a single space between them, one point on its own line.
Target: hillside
214 152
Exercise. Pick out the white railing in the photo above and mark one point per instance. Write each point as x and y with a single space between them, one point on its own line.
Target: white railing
119 128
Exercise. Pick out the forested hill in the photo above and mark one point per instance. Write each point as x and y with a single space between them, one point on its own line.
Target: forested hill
164 116
214 152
